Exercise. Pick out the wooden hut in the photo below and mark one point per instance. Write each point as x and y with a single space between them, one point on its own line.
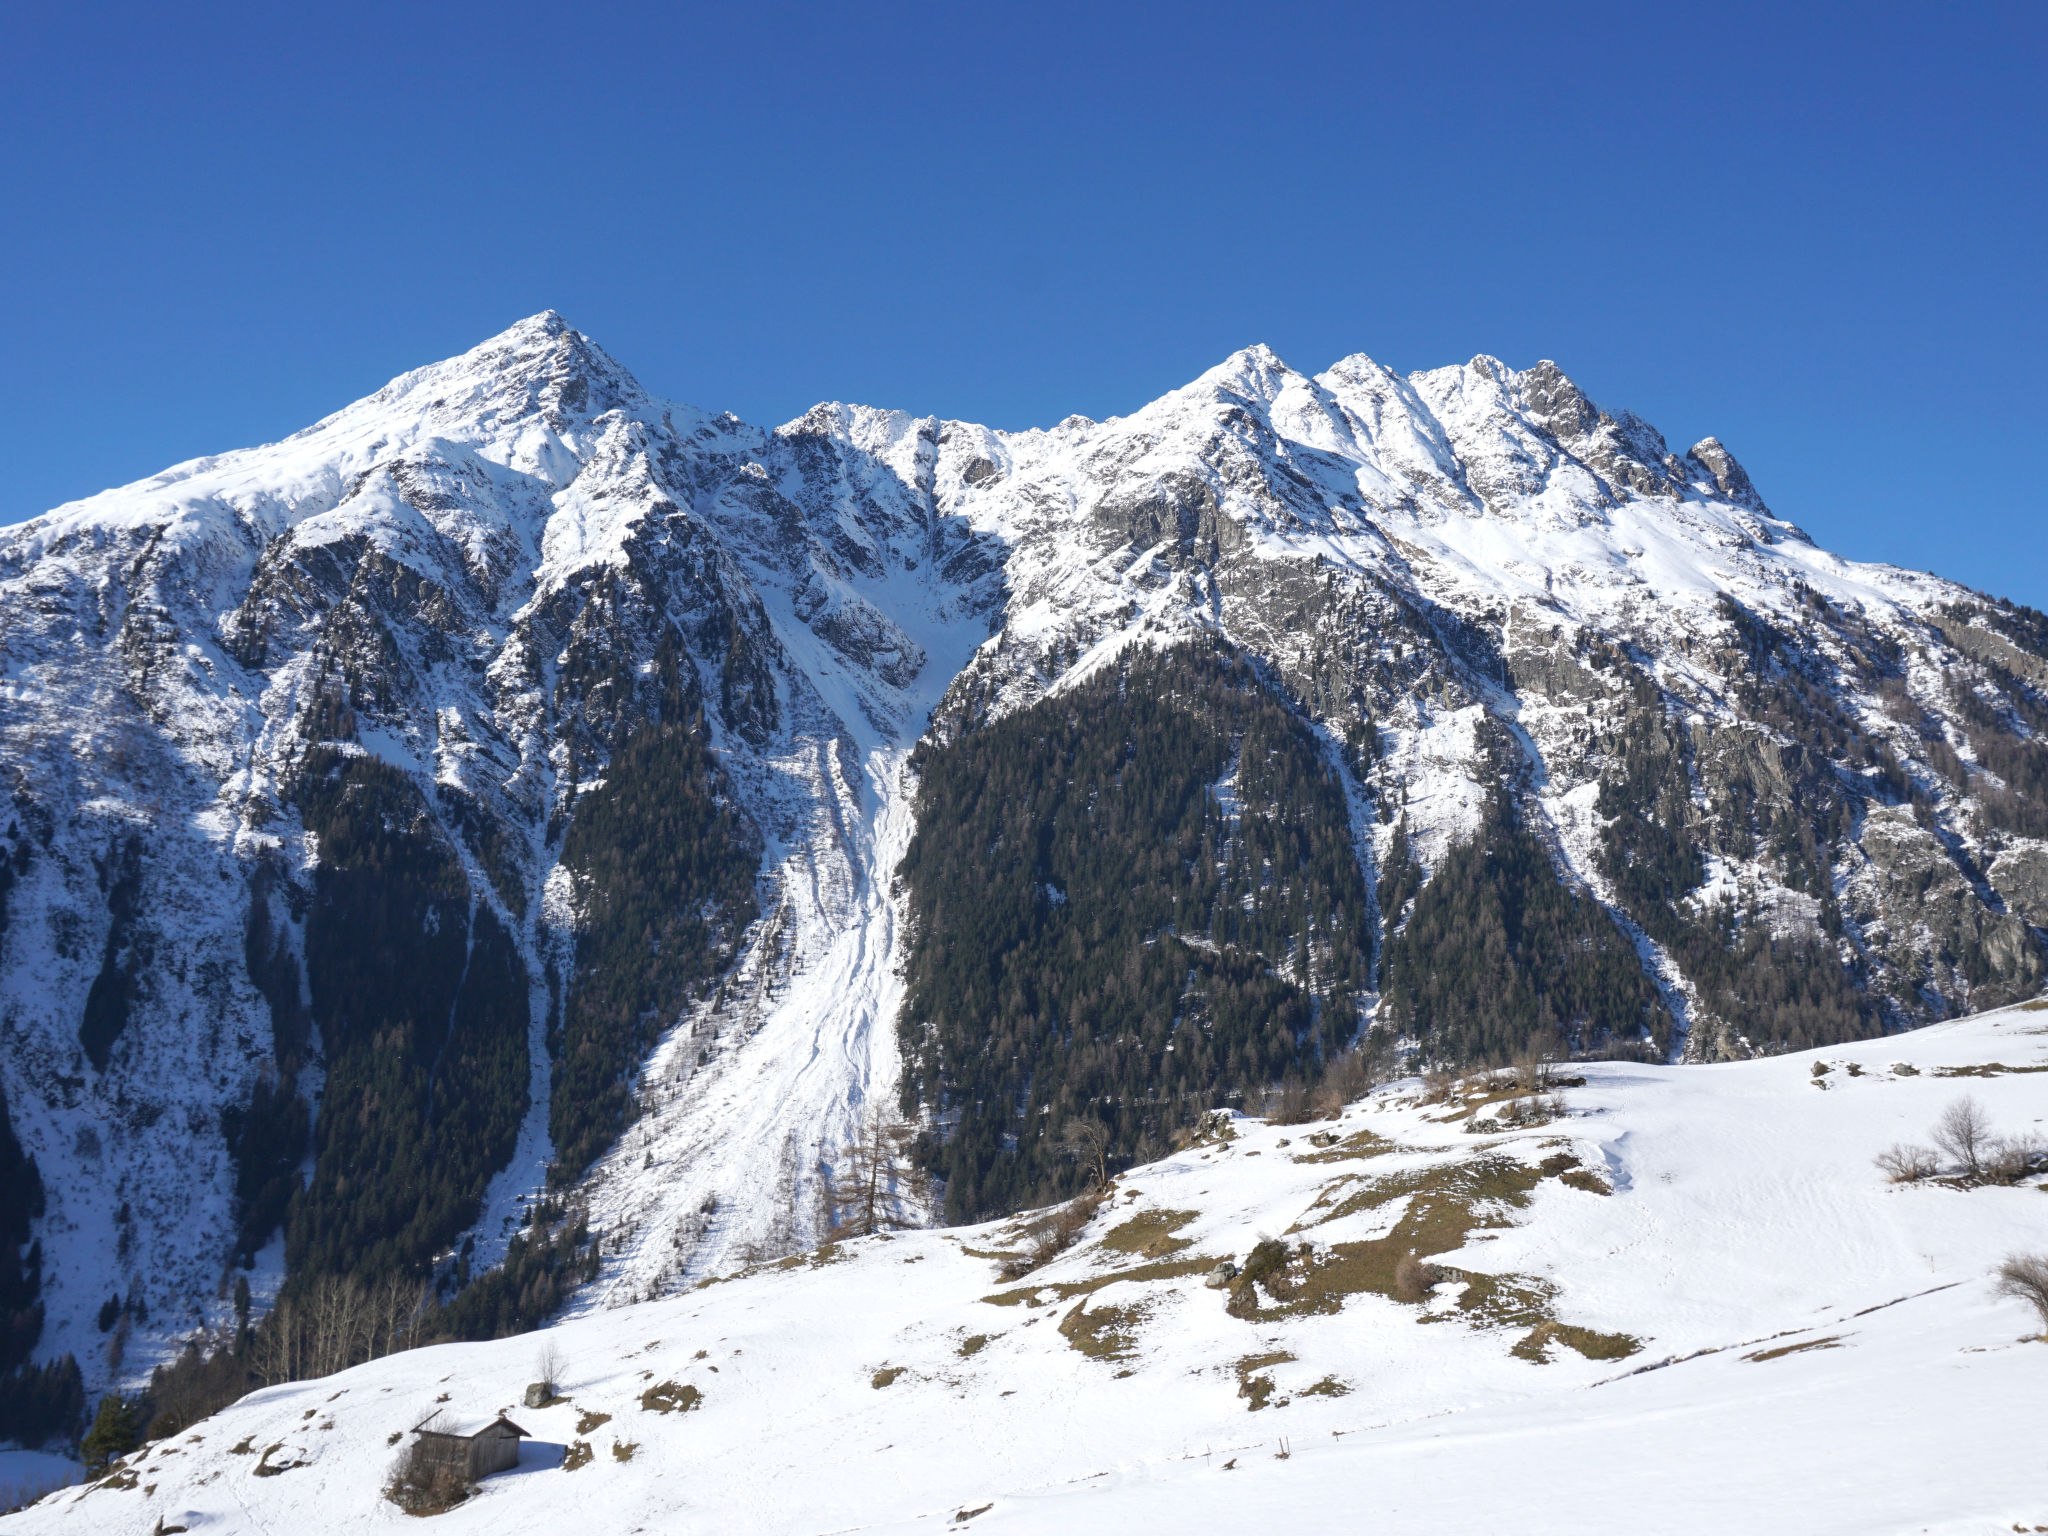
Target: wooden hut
469 1449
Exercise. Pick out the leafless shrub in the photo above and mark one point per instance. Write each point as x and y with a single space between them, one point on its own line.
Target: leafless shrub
1964 1133
1436 1086
421 1484
1053 1234
2024 1277
1532 1067
1350 1077
1904 1163
1290 1106
2007 1159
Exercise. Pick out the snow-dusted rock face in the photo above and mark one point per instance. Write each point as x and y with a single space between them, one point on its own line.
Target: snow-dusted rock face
441 616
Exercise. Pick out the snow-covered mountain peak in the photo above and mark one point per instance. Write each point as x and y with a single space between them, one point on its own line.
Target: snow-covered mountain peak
1729 477
1255 372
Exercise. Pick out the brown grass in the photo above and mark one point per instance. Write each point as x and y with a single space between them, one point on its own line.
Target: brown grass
1106 1333
1150 1234
1535 1345
1253 1384
1832 1341
1067 1290
1358 1145
671 1397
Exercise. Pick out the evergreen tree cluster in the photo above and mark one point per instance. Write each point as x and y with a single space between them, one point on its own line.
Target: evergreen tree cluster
422 1006
1127 903
41 1404
21 1258
1496 953
542 1265
665 867
268 1135
1785 992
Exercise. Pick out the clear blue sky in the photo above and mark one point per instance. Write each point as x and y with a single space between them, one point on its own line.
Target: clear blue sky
1813 230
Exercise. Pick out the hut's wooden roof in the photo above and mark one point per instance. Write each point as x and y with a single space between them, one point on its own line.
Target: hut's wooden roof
465 1426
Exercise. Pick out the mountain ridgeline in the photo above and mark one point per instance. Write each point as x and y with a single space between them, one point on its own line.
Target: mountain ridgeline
512 836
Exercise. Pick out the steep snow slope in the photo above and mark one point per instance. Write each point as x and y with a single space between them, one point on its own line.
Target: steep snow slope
1780 1340
471 576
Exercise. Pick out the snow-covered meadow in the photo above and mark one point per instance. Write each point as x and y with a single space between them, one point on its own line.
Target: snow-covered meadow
1751 1331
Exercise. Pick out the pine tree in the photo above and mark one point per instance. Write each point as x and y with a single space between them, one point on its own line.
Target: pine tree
116 1430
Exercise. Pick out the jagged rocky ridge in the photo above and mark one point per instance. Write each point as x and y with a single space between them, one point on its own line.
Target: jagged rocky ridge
497 788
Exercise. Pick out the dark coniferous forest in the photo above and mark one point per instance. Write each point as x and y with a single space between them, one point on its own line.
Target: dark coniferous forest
1497 953
1130 902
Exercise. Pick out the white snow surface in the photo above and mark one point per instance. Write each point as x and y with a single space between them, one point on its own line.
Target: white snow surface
1817 1350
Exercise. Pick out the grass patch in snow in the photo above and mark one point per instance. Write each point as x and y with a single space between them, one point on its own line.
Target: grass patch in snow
1067 1290
1358 1145
578 1455
671 1397
1149 1234
590 1421
886 1376
1444 1205
1535 1345
1107 1333
1986 1069
1253 1384
1565 1168
973 1345
1832 1341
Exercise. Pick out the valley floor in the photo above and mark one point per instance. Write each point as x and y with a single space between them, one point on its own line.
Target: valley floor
1689 1304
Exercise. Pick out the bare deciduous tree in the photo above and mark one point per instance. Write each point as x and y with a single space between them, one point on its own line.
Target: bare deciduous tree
859 1202
2024 1277
550 1366
1087 1141
1964 1133
337 1322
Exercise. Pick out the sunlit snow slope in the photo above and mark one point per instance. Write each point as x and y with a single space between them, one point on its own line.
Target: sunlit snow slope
1780 1341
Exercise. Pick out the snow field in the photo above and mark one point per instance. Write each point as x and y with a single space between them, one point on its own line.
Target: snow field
1819 1351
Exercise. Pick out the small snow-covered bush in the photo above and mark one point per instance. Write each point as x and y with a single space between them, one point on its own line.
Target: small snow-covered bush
1906 1164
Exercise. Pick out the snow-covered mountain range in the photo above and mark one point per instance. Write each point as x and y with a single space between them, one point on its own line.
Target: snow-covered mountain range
330 754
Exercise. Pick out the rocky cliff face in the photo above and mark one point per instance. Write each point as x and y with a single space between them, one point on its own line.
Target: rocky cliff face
499 783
